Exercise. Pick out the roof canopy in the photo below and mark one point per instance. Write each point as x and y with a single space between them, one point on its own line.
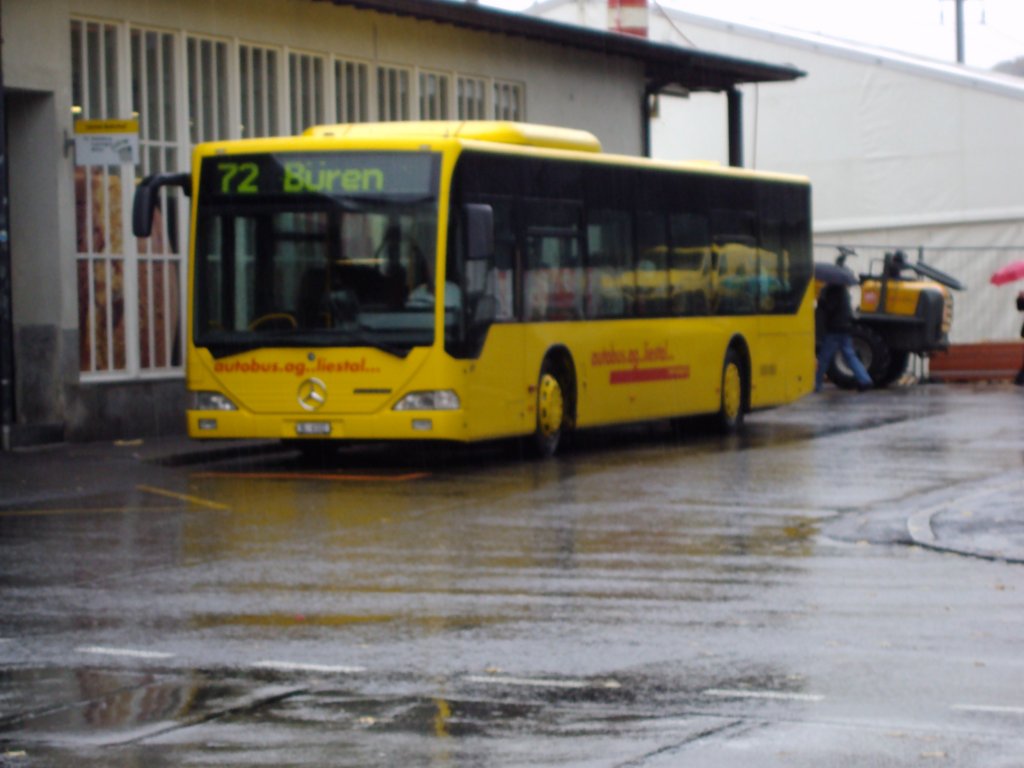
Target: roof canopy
664 65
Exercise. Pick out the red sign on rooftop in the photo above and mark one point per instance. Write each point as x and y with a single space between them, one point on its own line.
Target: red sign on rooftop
628 17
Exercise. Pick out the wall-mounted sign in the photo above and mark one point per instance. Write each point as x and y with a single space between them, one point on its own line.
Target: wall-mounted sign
106 142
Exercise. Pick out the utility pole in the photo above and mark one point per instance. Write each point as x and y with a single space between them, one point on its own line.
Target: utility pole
959 31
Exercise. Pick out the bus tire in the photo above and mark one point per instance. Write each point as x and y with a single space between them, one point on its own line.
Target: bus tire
730 410
552 412
897 367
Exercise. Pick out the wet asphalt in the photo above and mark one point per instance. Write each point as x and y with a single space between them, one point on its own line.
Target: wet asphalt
842 584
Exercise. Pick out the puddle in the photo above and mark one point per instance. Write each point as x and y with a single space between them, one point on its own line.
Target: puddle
96 706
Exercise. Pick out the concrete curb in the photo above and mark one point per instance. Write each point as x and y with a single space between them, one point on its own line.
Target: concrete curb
925 531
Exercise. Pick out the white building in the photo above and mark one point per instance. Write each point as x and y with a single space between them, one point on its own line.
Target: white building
902 151
90 317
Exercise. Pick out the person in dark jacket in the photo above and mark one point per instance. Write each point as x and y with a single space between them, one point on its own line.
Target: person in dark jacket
835 316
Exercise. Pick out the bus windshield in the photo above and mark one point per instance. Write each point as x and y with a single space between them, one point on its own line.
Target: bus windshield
316 249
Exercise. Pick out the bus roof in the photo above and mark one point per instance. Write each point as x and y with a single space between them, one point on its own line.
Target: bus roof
497 131
493 135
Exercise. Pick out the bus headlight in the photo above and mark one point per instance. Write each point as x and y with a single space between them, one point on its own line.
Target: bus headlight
431 400
210 401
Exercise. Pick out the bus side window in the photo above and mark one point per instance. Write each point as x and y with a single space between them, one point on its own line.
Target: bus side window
737 274
536 283
501 279
771 272
553 282
690 280
652 264
609 260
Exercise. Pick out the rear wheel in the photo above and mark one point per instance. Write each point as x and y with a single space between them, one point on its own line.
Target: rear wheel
730 411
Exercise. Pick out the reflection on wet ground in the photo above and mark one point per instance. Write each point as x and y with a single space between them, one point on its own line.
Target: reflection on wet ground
649 593
120 719
110 706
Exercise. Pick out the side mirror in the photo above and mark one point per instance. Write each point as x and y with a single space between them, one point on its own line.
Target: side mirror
147 197
479 231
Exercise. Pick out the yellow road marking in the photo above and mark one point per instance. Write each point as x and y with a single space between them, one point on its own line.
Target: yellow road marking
119 510
183 497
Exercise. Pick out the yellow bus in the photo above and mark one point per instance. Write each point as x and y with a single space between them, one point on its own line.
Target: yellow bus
578 288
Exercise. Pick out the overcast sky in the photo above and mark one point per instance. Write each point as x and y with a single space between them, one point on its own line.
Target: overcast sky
994 29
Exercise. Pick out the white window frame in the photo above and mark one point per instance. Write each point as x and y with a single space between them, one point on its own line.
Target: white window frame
471 97
161 150
104 94
262 115
394 88
307 89
434 94
509 100
209 89
352 104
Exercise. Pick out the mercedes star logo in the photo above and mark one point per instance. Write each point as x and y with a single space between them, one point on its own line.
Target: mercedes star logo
312 394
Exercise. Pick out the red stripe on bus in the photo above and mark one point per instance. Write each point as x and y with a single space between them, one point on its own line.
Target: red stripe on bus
640 375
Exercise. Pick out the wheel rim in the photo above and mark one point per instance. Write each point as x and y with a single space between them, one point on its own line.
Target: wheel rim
550 405
732 392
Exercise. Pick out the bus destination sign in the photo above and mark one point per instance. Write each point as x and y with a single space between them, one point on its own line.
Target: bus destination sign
334 174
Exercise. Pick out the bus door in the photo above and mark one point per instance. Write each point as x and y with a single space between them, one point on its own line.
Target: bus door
497 387
553 287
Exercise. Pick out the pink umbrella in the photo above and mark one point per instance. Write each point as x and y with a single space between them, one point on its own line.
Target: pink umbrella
1012 271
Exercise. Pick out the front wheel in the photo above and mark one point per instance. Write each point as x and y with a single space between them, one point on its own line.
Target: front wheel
551 414
730 411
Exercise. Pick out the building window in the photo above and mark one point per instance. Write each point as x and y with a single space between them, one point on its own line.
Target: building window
434 90
351 90
99 206
306 90
471 98
207 90
393 95
184 89
257 74
158 263
508 101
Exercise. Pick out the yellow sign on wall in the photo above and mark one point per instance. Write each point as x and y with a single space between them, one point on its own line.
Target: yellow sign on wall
106 142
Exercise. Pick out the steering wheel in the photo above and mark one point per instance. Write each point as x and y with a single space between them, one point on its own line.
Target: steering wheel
280 319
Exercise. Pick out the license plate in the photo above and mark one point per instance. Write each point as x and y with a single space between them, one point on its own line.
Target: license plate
313 428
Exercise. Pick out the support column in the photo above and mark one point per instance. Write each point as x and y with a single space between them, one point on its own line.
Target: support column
6 290
735 100
645 121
